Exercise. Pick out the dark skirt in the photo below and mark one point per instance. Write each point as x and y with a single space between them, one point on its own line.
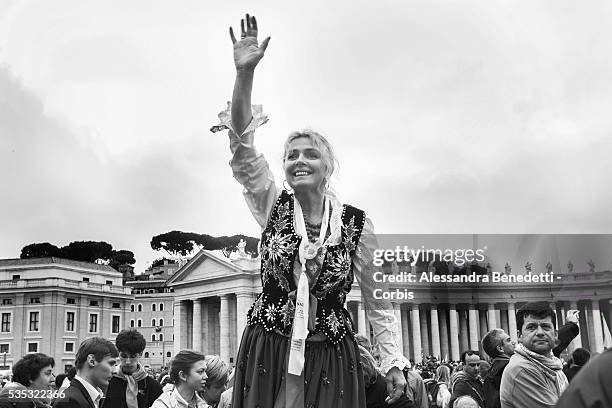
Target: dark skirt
333 377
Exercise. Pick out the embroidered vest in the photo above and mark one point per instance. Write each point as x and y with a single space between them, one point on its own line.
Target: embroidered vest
274 308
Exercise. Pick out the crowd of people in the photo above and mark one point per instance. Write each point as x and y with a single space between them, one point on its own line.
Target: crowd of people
527 374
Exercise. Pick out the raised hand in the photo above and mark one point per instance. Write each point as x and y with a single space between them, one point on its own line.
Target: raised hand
247 52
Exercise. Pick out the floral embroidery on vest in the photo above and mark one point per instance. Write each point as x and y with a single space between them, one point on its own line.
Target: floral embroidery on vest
274 307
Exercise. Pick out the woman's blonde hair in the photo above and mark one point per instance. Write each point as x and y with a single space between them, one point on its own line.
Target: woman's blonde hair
217 371
443 374
370 372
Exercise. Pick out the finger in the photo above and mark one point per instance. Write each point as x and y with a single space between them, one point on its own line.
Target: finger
254 23
264 44
248 22
232 36
242 32
389 389
397 393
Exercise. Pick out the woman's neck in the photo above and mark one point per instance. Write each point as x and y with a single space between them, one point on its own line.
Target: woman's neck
186 392
312 204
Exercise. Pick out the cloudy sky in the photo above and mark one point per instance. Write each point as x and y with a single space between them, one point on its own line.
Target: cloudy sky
448 117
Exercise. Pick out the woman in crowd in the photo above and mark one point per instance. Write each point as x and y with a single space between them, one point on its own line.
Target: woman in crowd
188 374
218 372
312 248
442 395
32 380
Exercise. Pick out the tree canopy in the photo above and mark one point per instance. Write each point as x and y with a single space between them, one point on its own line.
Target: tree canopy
179 243
86 251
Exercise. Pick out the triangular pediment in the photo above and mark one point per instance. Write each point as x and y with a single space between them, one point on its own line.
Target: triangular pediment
205 266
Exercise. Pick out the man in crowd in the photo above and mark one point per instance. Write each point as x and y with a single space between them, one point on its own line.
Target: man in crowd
466 382
415 388
592 386
499 346
580 357
533 377
130 386
94 362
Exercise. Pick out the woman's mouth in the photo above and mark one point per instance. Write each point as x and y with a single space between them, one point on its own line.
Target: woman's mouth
301 173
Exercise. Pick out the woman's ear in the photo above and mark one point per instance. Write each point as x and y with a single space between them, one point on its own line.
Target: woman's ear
182 375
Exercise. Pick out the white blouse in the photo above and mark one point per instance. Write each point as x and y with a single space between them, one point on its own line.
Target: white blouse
252 171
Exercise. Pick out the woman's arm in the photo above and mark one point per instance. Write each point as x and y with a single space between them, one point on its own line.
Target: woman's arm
247 55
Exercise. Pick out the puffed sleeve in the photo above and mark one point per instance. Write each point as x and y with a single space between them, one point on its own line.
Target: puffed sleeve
249 166
379 312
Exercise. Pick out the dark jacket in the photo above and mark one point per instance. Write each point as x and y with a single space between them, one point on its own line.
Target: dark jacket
592 386
75 396
468 385
377 393
492 381
148 391
566 334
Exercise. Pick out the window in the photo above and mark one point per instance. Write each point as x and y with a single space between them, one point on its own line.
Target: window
93 303
71 301
146 354
131 308
161 337
168 354
4 348
132 323
16 277
34 319
34 300
32 347
161 307
139 323
153 322
140 308
93 323
85 279
69 347
6 322
116 305
153 307
115 325
161 322
109 282
7 301
152 337
70 321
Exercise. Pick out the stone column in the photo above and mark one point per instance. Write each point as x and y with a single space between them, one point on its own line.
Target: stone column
597 327
362 323
406 333
454 333
224 338
482 315
504 320
472 328
435 332
492 317
577 342
197 325
416 333
207 340
463 329
512 322
398 316
243 303
424 332
180 329
444 349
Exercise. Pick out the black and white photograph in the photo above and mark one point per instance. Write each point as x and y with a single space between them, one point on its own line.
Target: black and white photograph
345 204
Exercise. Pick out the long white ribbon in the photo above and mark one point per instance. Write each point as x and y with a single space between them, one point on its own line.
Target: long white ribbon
302 306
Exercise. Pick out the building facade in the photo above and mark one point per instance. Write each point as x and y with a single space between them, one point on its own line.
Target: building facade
50 305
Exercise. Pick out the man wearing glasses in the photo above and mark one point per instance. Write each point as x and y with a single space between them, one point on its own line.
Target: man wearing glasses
534 377
130 386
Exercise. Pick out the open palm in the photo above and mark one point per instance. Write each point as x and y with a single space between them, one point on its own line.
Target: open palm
247 51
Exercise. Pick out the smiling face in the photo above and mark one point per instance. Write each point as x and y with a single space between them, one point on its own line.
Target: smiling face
538 334
303 164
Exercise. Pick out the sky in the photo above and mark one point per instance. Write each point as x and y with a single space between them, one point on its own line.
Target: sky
447 116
